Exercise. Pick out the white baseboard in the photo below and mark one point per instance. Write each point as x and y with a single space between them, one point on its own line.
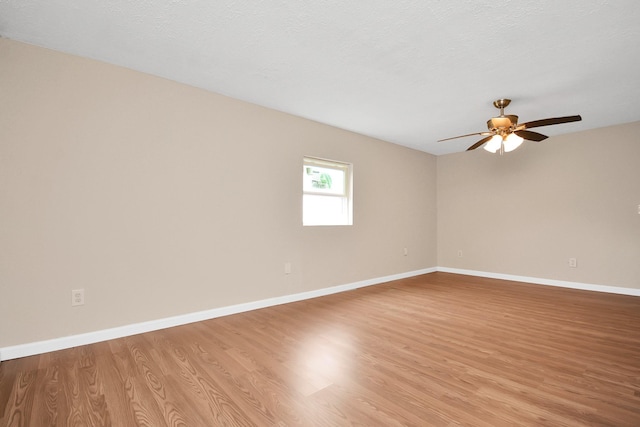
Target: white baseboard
30 349
547 282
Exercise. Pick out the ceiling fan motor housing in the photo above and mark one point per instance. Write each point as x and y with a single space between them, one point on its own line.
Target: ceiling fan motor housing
502 123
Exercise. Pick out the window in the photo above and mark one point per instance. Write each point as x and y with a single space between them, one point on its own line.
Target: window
326 187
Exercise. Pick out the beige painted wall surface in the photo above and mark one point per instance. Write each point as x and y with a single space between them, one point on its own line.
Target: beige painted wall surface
526 213
160 199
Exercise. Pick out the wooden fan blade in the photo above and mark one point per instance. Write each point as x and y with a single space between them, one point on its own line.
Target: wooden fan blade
462 136
479 143
531 136
547 122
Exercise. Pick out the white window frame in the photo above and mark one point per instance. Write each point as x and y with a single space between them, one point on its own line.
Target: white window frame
346 194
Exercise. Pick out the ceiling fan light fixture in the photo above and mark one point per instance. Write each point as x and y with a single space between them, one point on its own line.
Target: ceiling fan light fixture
494 144
511 142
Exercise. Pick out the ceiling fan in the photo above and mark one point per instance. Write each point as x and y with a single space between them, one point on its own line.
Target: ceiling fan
505 134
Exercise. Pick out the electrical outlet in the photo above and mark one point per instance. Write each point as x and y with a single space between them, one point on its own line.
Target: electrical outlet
573 262
77 297
287 268
460 253
406 252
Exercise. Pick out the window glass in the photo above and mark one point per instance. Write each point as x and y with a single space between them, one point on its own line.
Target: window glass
326 188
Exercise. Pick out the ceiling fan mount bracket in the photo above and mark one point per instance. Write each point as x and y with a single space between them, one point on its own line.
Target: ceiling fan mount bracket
501 103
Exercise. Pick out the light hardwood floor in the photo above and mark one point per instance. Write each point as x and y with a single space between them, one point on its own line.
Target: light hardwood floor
433 350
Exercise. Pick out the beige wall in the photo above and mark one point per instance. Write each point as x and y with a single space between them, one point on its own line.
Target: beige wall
526 213
160 199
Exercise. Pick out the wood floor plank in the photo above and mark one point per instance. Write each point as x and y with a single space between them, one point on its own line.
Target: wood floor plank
8 372
432 350
20 402
45 402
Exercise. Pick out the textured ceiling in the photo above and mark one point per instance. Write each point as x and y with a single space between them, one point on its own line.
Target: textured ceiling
405 71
